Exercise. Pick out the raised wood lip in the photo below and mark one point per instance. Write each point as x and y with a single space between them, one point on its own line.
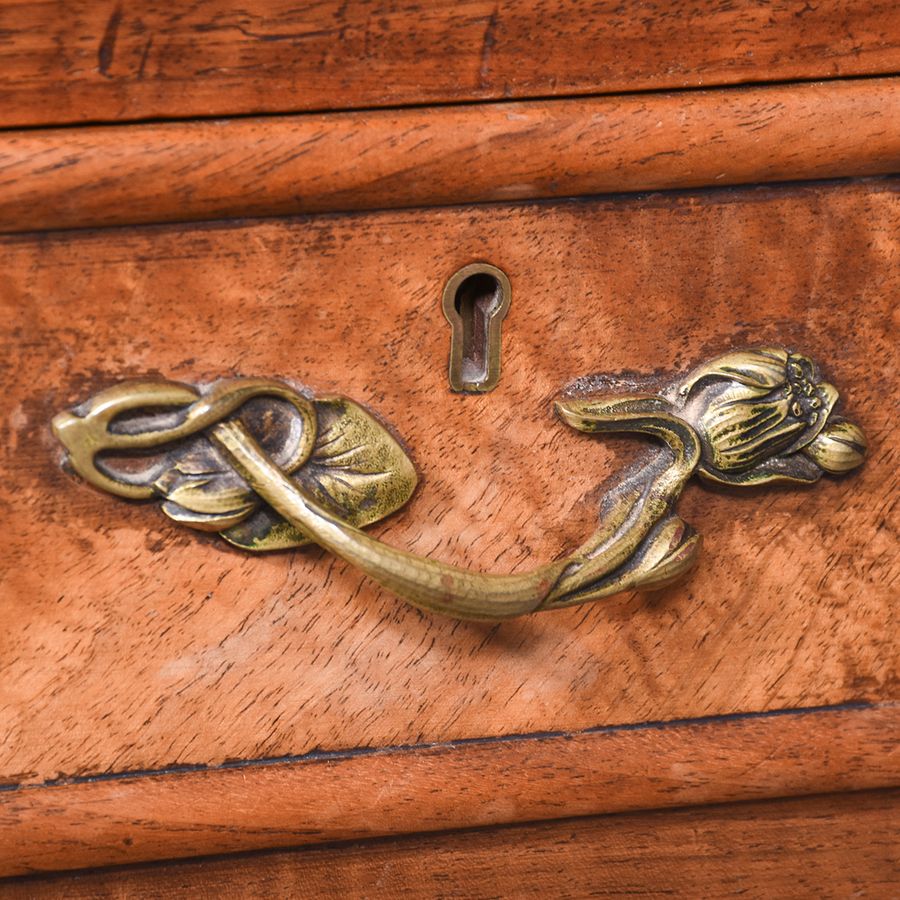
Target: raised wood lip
166 172
347 753
342 754
641 819
154 816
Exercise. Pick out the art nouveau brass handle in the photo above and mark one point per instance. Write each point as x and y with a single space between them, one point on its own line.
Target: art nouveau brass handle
268 467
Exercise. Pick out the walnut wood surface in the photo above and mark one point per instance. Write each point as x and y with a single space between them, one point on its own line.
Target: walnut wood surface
85 61
405 790
185 171
130 643
822 847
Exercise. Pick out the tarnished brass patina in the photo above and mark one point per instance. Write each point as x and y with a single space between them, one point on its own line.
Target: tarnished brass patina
269 467
332 449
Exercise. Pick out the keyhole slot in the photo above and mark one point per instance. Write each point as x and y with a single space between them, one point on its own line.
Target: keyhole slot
476 300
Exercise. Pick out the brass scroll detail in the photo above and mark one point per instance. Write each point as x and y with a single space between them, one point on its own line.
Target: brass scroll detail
268 467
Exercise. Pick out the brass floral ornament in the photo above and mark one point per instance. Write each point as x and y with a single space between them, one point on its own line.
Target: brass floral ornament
269 467
754 410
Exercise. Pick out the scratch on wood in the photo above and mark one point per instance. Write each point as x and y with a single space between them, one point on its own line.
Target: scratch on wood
144 56
108 44
487 45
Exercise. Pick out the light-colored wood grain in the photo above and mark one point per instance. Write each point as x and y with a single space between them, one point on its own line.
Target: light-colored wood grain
403 791
432 156
128 642
86 61
821 847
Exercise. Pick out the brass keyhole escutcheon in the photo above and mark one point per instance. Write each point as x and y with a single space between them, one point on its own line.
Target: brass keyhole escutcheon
475 302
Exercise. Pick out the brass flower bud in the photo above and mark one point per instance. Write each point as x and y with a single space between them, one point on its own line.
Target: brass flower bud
839 447
754 410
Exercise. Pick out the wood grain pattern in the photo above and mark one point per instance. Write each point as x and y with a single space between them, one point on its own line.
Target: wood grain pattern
407 790
87 62
128 642
822 847
432 156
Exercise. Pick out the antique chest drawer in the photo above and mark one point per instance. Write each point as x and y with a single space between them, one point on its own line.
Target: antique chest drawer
167 695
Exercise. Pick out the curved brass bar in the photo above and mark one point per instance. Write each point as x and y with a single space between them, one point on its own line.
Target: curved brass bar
438 587
425 582
636 504
745 418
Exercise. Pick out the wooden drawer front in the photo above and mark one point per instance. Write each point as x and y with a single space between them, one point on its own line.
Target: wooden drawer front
129 644
144 60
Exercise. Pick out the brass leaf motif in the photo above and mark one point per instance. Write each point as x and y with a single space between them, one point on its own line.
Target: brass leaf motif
357 470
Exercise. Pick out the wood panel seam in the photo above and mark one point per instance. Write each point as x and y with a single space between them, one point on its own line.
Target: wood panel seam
221 811
485 102
340 755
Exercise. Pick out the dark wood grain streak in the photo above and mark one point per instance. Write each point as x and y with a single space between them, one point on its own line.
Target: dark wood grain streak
427 157
85 61
824 847
143 818
128 642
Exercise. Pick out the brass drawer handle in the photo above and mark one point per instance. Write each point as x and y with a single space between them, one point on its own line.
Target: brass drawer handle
268 467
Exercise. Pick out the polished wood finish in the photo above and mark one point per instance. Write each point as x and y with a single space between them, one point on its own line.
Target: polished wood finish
434 156
822 847
405 790
162 696
131 644
86 62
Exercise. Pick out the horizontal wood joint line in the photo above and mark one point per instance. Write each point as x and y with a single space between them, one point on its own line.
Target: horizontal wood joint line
427 789
487 152
322 756
482 102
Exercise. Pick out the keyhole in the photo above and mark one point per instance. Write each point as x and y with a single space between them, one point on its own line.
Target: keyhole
476 300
